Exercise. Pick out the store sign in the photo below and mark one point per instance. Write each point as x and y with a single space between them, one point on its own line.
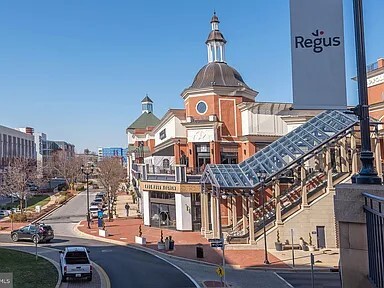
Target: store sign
161 187
318 57
375 80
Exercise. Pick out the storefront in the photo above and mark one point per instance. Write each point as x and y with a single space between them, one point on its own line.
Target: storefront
171 205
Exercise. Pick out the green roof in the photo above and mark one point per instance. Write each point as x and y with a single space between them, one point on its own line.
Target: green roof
146 119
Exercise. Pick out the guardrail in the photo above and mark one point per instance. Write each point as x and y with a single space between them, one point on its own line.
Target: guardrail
373 209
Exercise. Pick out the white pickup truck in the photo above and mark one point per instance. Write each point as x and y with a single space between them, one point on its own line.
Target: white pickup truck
75 263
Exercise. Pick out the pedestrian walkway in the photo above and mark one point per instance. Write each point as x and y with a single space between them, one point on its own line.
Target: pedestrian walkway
122 199
125 230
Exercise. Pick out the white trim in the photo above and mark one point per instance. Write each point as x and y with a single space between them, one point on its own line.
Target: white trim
206 107
234 107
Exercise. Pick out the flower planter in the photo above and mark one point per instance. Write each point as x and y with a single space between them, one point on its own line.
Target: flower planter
103 233
279 246
160 245
311 248
140 240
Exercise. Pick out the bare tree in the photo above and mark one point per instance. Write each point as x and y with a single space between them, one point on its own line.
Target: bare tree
60 165
16 179
111 173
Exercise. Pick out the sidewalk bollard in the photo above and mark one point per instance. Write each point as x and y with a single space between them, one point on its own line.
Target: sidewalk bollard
199 251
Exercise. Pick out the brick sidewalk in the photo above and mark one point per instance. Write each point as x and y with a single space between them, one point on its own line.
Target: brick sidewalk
185 244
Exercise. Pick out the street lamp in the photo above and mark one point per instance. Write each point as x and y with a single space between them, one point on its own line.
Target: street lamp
87 170
178 145
367 174
261 177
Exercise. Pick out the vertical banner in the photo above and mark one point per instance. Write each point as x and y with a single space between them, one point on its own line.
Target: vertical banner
318 58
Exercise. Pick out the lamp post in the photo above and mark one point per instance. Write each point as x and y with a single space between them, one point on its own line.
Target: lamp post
261 176
178 145
87 170
367 174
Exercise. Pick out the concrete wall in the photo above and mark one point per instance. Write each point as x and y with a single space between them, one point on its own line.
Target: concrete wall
353 232
303 222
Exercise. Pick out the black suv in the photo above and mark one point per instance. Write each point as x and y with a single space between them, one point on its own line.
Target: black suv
38 232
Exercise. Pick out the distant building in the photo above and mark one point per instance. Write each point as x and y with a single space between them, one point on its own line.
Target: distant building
108 152
15 143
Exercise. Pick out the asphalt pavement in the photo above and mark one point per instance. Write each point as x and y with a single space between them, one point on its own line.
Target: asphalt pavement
304 279
126 267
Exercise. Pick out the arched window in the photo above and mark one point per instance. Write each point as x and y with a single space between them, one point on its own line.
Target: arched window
166 163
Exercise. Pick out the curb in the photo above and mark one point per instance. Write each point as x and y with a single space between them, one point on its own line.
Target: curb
105 282
156 252
46 258
143 248
53 210
146 250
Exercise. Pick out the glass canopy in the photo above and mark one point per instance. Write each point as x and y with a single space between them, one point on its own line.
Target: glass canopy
274 158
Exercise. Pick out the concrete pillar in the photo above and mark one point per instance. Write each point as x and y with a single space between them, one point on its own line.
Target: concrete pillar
278 205
295 174
329 168
379 168
214 217
343 151
244 202
354 154
251 221
183 205
234 211
338 158
304 196
203 213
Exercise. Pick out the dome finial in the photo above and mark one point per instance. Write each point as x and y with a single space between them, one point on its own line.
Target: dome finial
215 19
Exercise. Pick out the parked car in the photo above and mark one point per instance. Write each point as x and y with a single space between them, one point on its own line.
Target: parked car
99 201
93 210
4 213
38 232
75 263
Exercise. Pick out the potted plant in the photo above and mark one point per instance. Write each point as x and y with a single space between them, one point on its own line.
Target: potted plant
278 244
310 246
303 244
161 244
139 239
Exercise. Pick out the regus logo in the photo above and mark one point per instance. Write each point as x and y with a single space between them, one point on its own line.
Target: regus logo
318 42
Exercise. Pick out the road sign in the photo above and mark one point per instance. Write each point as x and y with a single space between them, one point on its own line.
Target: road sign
220 271
217 244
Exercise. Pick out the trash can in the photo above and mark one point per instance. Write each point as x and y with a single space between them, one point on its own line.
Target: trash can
199 251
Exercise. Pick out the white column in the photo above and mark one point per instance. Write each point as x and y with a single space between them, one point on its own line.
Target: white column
234 211
354 154
229 209
304 199
329 168
215 51
344 161
203 213
379 168
278 205
244 204
146 208
221 52
214 216
251 221
337 159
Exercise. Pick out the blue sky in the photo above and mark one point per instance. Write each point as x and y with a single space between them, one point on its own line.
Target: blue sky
77 70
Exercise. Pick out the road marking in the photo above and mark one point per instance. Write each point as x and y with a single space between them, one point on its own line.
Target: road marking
123 238
285 281
106 250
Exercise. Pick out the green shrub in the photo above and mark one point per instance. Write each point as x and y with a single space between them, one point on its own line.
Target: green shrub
80 188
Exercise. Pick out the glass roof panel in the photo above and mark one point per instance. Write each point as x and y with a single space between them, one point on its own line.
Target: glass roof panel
275 157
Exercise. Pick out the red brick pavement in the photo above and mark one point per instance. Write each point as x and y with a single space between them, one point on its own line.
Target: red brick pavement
185 243
6 226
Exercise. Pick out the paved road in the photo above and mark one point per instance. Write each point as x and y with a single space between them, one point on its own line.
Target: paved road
321 279
125 267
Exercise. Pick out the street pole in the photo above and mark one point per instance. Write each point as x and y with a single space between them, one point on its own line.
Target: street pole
293 250
367 174
88 216
264 228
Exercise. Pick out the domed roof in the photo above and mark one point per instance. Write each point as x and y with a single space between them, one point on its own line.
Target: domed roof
215 35
217 74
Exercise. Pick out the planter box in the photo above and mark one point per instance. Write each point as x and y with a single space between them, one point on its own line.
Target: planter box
279 246
160 246
140 240
311 248
103 233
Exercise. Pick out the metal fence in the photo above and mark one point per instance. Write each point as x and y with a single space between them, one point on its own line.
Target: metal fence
375 235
